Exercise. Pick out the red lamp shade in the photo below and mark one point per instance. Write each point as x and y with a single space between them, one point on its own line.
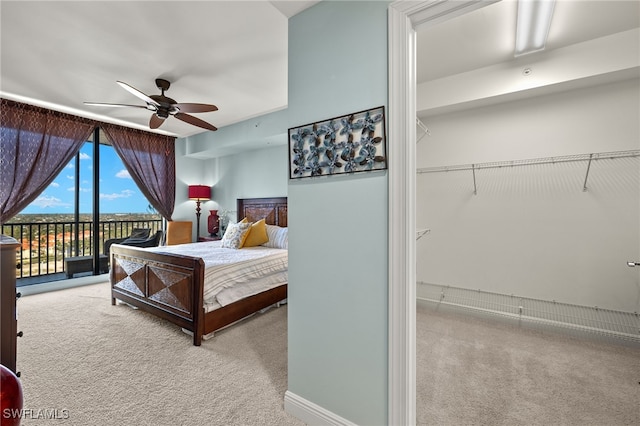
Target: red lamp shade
199 192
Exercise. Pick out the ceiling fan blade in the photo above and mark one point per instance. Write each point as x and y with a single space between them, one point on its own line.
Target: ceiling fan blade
137 93
155 121
195 121
196 107
114 105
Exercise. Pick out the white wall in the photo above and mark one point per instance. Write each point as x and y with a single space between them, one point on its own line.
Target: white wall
532 231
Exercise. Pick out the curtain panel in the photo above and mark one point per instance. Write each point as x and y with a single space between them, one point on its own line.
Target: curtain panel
150 160
35 145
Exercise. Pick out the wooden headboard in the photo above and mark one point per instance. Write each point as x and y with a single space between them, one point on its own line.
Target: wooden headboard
273 210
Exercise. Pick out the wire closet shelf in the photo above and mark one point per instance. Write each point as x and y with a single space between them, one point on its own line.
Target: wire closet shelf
589 158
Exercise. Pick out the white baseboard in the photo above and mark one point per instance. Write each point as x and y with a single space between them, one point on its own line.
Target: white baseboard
310 413
27 290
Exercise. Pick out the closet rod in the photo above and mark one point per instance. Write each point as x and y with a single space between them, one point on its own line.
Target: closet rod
533 161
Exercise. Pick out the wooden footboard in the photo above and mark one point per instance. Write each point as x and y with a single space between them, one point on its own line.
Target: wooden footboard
166 285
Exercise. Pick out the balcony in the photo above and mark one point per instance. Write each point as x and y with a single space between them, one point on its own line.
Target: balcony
45 245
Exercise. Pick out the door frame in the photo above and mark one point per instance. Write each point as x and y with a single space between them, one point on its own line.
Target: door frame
403 19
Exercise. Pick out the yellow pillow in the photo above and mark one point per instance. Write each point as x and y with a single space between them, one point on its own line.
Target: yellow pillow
257 235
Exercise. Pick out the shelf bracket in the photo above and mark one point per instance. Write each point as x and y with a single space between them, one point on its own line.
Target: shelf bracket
584 187
424 128
475 188
422 232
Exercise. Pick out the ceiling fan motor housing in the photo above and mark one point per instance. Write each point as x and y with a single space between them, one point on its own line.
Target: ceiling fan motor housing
166 105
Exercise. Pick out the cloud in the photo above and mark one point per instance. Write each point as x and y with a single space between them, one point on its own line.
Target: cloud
45 201
123 174
126 193
73 188
71 177
84 156
55 184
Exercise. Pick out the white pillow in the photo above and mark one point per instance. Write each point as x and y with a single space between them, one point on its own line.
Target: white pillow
278 237
235 235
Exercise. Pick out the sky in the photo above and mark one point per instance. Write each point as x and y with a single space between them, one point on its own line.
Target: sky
118 192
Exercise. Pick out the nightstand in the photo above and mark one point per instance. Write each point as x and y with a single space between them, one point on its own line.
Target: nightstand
202 239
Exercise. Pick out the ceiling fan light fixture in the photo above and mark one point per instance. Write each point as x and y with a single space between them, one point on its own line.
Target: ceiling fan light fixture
532 26
163 106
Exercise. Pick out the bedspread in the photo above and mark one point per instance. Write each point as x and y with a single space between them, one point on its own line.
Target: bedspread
231 274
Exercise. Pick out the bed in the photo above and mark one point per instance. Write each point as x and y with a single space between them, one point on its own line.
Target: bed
172 286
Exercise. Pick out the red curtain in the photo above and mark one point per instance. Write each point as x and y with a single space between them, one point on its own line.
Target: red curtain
35 145
150 160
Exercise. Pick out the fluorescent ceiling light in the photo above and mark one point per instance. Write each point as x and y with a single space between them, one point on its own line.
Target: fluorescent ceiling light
532 28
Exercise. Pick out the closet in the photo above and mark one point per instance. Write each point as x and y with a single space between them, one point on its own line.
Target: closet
533 208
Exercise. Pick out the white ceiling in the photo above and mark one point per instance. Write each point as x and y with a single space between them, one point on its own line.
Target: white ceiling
486 36
229 53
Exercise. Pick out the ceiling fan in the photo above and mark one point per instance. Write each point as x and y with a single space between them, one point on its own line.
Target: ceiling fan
163 106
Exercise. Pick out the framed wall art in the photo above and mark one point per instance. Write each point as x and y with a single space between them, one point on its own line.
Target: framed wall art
348 144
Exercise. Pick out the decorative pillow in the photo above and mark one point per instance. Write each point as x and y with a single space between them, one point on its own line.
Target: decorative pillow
278 237
235 235
257 234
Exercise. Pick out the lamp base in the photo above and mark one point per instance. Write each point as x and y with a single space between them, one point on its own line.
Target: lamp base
197 219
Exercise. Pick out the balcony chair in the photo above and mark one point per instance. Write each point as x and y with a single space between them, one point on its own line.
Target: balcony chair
152 241
136 234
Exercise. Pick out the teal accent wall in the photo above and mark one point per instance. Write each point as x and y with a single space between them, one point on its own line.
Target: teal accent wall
256 133
251 161
258 173
338 225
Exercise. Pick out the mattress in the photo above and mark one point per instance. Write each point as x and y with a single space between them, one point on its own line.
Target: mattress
230 274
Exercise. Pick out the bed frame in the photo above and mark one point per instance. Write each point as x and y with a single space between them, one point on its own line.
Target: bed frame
171 286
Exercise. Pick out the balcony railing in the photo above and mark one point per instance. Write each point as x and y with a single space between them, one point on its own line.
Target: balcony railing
45 245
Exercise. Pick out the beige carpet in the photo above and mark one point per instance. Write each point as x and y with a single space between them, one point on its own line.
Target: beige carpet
474 370
99 364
